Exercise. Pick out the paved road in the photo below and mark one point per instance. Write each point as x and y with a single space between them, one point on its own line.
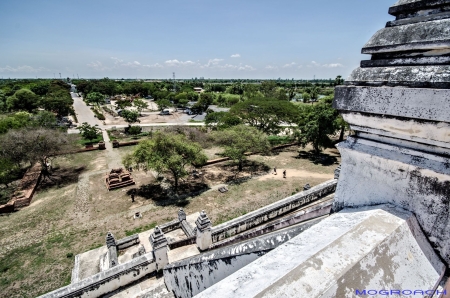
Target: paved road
84 113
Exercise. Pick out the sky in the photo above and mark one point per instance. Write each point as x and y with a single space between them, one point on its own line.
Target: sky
234 39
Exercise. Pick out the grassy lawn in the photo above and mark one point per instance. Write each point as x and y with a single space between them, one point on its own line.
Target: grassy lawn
39 242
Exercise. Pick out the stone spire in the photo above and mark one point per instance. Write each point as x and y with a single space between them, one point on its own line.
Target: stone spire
203 235
112 250
160 248
398 104
181 215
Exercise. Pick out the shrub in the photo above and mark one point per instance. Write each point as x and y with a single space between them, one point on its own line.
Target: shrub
134 130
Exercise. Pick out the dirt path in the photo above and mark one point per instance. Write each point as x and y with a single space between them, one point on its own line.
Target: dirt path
293 173
113 157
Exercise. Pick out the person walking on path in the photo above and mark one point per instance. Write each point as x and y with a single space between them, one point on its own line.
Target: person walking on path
132 195
275 170
284 174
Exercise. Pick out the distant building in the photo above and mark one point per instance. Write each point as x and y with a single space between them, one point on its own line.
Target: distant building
198 90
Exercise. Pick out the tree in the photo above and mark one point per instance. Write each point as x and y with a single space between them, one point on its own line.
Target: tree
340 122
221 120
206 99
163 104
59 102
268 88
6 167
2 101
265 114
239 140
40 88
34 145
89 132
250 91
338 81
306 97
167 152
316 124
23 100
140 105
130 116
122 104
96 98
44 119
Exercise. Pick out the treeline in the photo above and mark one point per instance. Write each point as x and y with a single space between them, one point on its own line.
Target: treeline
304 123
30 95
224 94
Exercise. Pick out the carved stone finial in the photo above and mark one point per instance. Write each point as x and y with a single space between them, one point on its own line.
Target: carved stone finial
203 221
181 215
110 240
157 239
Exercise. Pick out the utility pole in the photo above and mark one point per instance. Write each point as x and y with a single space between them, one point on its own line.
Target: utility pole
60 75
174 90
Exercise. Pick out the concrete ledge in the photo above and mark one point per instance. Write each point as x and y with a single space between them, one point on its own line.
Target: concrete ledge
419 131
378 247
170 226
127 241
429 35
426 76
187 229
109 280
272 211
310 213
190 276
426 104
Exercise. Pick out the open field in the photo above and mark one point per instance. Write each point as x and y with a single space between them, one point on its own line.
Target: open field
73 213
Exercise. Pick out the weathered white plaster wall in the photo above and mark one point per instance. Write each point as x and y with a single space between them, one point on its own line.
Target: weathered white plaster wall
374 173
416 103
378 247
437 134
109 280
203 275
189 277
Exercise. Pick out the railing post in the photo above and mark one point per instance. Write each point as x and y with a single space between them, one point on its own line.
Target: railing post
160 248
204 239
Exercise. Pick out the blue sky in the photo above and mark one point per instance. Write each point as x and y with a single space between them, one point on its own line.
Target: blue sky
193 38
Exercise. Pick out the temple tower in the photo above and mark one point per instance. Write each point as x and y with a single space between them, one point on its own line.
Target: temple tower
398 105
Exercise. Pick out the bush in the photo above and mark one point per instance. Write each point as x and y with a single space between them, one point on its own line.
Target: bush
277 140
135 130
99 115
69 255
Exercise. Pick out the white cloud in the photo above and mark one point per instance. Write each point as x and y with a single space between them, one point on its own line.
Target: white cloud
117 60
213 62
236 56
23 68
175 62
246 67
136 63
289 65
97 65
156 65
270 67
333 65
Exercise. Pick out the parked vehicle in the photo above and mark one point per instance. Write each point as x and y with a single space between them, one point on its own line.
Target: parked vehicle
165 112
